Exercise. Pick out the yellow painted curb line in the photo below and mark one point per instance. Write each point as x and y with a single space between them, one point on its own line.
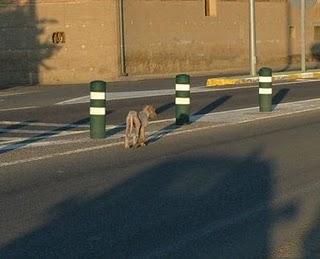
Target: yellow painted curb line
224 81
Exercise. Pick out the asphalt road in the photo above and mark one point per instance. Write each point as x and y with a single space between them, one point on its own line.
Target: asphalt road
38 104
246 191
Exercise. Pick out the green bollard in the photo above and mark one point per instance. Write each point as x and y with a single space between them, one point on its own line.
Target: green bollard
265 89
98 109
182 99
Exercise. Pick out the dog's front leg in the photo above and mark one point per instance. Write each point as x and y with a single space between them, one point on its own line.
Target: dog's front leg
137 126
142 136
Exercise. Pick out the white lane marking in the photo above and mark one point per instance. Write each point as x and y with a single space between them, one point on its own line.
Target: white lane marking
14 143
18 108
5 94
58 125
38 142
298 82
165 92
56 132
121 96
42 124
72 152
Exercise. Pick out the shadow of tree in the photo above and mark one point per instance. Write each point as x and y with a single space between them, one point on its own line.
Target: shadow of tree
196 207
21 51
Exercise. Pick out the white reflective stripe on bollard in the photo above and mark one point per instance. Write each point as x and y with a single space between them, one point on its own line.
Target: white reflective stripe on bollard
265 79
97 111
97 95
182 87
181 100
265 90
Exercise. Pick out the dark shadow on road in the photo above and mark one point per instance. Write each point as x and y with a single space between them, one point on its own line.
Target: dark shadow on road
311 244
279 96
199 206
163 132
196 116
165 107
119 128
215 104
15 126
21 52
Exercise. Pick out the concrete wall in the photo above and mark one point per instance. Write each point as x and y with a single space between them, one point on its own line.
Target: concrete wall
174 36
161 37
28 56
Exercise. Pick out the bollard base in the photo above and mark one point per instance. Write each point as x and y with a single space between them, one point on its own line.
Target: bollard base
265 103
183 119
97 127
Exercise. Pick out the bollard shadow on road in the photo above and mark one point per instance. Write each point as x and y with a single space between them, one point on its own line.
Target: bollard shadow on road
196 116
42 136
279 97
165 107
212 106
16 126
198 206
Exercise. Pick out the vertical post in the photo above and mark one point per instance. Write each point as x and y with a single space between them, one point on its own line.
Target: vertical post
265 89
123 71
253 59
182 99
97 109
303 35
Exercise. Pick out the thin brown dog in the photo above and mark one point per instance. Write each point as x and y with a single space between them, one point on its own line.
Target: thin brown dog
136 124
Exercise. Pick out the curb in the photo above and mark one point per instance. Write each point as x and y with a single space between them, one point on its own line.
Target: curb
224 81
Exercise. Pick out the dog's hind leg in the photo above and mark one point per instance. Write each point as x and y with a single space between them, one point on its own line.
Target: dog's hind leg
129 125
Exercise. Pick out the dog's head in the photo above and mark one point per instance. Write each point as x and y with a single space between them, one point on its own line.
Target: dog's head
150 111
